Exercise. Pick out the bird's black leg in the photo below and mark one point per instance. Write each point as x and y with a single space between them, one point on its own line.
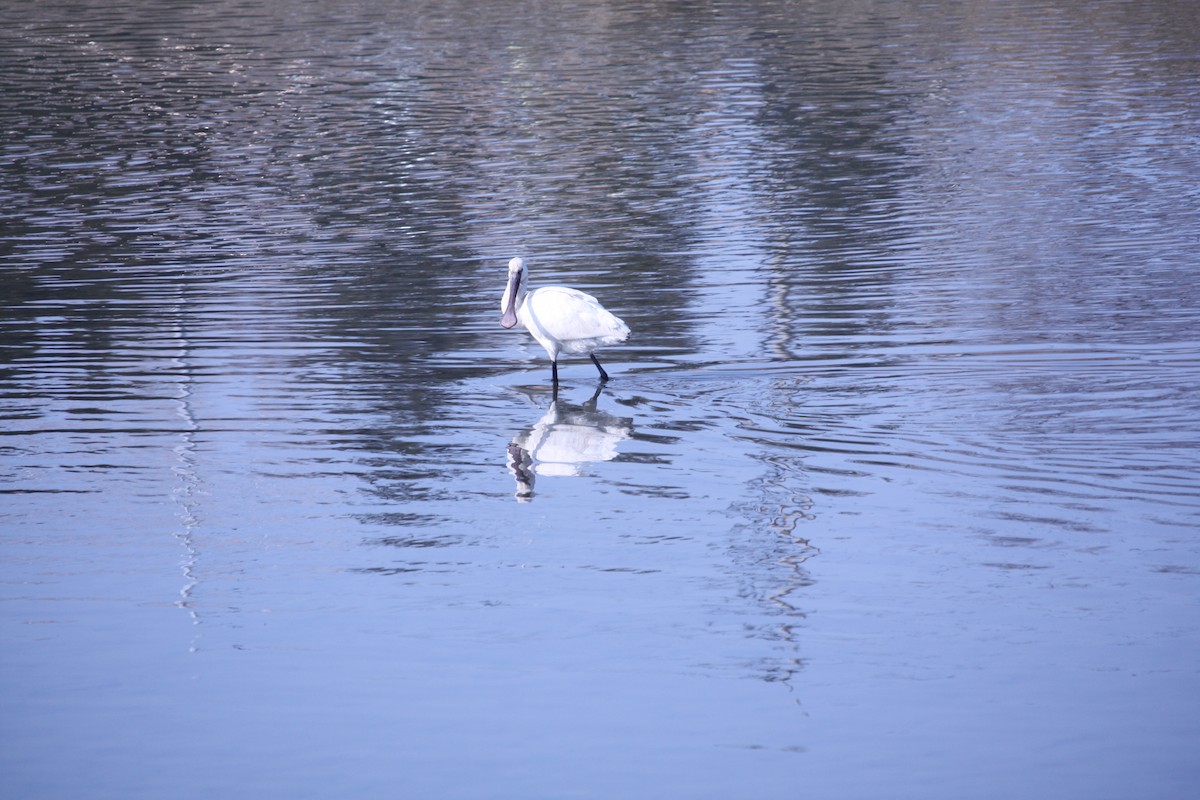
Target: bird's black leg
596 361
554 371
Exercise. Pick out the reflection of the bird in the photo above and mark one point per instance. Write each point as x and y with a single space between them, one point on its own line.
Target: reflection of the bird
566 438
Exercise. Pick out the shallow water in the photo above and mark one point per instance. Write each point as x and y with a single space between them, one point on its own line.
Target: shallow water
894 492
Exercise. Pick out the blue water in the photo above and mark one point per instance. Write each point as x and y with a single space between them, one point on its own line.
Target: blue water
893 493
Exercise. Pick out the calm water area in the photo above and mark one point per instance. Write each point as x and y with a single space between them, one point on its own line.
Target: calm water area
894 492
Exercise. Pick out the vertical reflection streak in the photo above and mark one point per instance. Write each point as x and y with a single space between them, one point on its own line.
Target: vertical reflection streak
187 490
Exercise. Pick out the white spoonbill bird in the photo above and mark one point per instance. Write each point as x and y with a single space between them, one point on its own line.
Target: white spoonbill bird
563 320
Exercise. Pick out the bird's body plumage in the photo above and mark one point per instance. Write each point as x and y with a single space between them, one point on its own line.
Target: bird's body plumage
563 320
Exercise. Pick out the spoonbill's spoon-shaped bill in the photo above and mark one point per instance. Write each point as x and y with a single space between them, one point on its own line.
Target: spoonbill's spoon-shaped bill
563 320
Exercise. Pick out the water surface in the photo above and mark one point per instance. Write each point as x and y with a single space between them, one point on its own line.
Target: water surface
894 492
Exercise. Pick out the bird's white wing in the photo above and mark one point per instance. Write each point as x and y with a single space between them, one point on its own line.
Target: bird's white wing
571 315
